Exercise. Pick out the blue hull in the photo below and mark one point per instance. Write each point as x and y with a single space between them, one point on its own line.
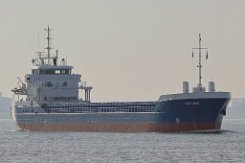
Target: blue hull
192 111
165 116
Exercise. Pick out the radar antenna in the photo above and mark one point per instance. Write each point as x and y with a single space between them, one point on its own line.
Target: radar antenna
200 62
47 58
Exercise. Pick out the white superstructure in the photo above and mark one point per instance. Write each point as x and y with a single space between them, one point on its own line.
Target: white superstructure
51 80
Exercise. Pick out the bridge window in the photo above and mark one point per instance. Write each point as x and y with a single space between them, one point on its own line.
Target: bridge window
46 72
52 72
67 72
57 72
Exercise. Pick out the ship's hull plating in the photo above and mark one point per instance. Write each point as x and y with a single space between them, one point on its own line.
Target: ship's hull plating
129 127
168 116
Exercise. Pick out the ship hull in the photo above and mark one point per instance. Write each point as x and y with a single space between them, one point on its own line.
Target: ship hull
129 127
167 116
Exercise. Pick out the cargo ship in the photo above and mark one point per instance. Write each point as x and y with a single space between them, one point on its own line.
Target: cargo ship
49 100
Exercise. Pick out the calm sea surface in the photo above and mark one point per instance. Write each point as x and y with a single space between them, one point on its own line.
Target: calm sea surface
30 147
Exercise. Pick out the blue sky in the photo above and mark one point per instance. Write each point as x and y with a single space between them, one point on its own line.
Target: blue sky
128 50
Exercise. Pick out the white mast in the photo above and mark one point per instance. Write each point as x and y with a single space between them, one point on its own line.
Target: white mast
199 86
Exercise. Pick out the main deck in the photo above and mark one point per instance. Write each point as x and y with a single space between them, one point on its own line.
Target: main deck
100 107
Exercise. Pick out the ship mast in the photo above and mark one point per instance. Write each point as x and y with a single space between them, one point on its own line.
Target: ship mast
48 38
200 62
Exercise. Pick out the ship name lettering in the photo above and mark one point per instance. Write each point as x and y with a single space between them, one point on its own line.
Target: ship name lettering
192 103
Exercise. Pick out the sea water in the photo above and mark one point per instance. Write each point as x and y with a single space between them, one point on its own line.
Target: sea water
227 145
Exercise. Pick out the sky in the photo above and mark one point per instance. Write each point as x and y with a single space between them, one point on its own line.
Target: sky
128 49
